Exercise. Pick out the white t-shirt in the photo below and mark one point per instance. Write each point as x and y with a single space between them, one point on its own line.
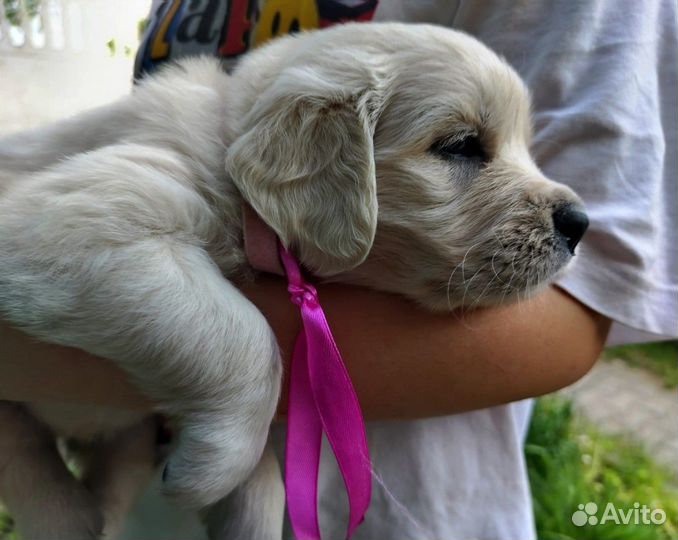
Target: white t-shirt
603 79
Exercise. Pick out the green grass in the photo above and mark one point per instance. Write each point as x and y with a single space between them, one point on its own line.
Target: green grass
660 358
570 463
6 526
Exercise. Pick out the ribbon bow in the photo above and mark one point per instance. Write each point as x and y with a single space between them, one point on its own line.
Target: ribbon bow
321 399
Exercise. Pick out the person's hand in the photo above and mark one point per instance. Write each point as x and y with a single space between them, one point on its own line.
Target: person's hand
404 362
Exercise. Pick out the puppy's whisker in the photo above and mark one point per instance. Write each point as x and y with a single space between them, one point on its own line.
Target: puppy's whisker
526 292
483 292
489 283
398 504
507 287
463 275
449 281
494 270
463 262
467 287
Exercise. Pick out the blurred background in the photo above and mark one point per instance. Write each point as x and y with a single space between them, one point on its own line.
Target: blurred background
58 57
612 437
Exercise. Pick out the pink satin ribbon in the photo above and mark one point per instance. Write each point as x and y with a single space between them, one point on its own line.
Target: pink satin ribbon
321 399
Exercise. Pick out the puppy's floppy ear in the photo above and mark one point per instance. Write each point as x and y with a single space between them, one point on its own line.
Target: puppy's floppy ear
305 163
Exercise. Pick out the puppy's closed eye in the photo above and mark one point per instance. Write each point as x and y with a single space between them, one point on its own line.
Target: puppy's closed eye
464 148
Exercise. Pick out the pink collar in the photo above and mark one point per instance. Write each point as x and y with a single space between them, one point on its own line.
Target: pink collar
321 396
261 243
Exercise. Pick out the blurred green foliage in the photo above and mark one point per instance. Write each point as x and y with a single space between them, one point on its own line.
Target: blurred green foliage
12 11
570 463
6 526
660 358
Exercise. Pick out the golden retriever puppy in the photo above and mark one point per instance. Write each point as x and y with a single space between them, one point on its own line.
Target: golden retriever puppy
385 155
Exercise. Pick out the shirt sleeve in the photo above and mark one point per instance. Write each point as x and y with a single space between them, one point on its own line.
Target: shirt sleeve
603 78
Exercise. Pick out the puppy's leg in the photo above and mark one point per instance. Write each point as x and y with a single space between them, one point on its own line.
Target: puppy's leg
104 253
118 471
220 379
254 509
45 500
35 149
192 343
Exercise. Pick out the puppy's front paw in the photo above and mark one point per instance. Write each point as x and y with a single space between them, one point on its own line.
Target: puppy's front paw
209 462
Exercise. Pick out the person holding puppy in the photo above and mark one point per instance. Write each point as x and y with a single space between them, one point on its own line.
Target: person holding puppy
443 390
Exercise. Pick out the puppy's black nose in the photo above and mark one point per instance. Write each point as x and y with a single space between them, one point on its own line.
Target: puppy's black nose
571 221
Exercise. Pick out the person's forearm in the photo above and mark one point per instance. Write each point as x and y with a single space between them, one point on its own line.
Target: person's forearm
404 362
407 363
34 371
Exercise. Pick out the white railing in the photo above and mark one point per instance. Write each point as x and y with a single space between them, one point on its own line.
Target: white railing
40 24
57 56
68 25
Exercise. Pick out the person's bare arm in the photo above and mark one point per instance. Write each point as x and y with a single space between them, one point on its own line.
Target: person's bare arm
404 362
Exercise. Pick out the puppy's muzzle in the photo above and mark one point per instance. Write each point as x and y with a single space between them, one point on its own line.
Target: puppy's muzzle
570 222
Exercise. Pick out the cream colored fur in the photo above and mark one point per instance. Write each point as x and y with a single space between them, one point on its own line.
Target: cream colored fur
120 234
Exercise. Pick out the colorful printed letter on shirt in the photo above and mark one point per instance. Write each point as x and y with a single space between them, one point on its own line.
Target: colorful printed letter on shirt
229 28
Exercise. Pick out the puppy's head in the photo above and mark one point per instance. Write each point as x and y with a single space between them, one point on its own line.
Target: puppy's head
396 157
